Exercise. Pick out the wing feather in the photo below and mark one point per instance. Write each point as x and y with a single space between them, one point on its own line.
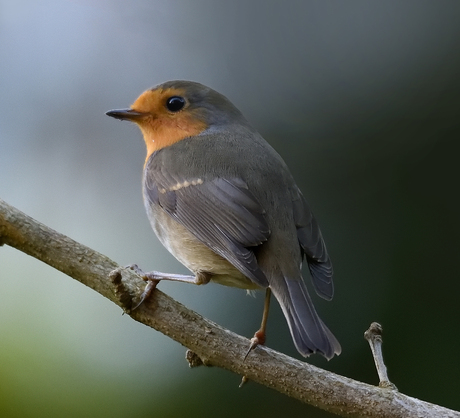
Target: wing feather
221 213
314 248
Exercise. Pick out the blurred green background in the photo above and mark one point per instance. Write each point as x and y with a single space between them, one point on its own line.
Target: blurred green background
361 98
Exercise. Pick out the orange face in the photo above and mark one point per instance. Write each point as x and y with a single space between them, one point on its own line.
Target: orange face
160 126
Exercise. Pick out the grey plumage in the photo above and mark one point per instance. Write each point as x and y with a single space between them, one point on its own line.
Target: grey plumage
224 203
245 206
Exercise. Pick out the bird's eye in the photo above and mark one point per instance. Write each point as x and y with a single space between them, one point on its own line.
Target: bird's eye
175 103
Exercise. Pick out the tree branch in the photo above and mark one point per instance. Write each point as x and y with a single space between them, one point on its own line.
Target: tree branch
210 344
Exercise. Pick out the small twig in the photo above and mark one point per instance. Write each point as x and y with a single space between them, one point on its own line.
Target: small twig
193 359
244 380
121 292
374 336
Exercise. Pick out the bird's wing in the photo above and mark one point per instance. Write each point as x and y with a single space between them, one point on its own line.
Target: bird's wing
221 213
312 243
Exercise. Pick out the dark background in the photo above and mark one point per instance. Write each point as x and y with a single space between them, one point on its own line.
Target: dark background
361 98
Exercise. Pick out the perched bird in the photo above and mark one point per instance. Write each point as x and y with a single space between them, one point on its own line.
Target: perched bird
224 203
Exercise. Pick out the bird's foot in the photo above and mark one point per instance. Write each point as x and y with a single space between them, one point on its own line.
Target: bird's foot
260 336
258 339
154 277
151 277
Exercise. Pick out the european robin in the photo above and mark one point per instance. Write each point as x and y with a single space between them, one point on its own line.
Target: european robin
224 203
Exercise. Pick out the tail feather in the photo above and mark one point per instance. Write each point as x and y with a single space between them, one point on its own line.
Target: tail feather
308 331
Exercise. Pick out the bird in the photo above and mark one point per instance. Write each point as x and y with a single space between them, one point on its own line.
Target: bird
225 204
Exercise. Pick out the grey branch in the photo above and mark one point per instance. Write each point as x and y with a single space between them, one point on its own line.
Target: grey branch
374 336
212 344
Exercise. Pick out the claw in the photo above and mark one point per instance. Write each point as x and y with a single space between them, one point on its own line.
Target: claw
149 288
137 270
259 338
153 277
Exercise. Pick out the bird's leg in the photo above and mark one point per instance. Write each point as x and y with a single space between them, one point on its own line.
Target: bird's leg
259 336
154 277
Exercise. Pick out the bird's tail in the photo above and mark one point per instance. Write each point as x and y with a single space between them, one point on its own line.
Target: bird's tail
308 331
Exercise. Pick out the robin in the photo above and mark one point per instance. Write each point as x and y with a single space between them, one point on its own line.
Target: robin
224 203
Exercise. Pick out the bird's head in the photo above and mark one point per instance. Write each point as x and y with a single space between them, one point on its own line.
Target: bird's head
176 110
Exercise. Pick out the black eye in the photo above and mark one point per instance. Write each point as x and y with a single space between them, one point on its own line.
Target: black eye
175 103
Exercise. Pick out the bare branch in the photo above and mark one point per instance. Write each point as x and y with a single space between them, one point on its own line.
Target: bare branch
210 344
374 336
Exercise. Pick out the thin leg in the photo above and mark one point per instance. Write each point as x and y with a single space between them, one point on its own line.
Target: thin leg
154 277
157 275
259 336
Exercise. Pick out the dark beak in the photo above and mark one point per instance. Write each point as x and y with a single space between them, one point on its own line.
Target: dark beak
125 114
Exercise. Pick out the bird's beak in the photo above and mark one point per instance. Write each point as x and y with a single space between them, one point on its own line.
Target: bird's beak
125 114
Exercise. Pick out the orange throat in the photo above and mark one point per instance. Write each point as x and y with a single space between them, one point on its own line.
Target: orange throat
162 132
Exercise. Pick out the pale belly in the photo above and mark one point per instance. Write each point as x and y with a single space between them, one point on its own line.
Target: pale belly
196 256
